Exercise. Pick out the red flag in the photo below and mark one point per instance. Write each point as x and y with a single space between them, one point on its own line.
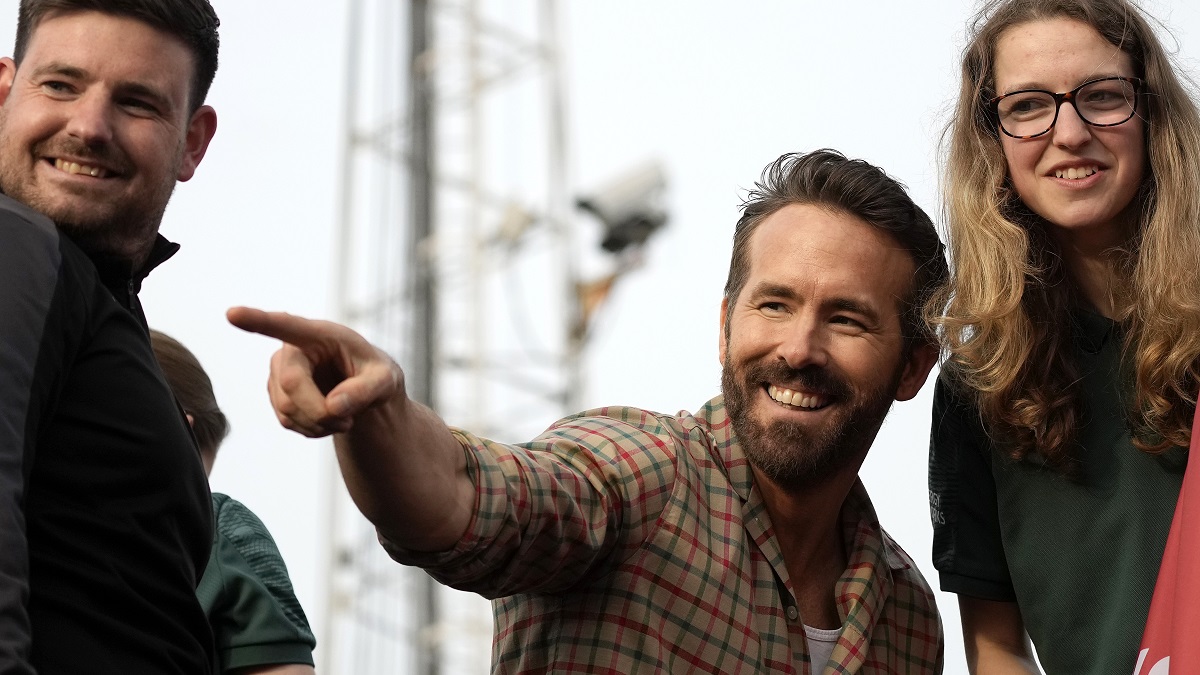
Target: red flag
1170 643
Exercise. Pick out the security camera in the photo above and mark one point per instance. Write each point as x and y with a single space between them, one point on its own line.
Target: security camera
630 207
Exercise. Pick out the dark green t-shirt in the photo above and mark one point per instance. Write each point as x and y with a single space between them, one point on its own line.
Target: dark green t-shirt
247 595
1079 555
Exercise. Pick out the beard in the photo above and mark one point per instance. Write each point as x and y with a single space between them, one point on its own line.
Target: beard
112 224
793 455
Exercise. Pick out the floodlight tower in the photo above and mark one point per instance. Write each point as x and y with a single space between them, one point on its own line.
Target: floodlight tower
456 256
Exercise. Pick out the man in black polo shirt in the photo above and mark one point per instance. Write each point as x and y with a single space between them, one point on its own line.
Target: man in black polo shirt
105 519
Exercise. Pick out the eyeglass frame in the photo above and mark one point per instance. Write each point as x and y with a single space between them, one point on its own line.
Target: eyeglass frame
1067 97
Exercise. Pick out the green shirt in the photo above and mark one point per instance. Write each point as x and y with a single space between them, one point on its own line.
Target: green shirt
247 595
1080 555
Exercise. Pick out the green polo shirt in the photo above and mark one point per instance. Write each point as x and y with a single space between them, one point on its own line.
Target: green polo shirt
247 594
1079 555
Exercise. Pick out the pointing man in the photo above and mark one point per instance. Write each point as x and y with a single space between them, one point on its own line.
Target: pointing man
736 539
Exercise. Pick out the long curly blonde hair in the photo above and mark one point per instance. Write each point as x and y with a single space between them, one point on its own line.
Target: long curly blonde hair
1002 316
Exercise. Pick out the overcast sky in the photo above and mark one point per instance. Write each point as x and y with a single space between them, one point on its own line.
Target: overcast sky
715 90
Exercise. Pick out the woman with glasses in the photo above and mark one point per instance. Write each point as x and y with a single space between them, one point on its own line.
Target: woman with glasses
1072 324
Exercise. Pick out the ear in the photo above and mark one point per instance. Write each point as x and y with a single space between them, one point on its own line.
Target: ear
722 346
200 131
916 371
8 74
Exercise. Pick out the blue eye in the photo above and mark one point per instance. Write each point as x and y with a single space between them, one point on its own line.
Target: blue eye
57 86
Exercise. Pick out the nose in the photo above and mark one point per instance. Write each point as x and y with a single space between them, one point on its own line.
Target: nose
1070 131
803 343
91 120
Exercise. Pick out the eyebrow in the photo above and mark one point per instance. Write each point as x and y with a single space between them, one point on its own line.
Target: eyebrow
770 290
1025 86
123 87
56 68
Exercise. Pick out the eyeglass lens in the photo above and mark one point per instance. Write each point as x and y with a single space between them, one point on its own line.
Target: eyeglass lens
1101 103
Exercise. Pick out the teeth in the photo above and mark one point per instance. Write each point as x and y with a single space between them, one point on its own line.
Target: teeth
794 398
1074 173
74 168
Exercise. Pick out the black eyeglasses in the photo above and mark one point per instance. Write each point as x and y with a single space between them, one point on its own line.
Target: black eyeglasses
1105 102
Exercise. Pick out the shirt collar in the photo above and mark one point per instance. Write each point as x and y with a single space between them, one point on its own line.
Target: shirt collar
116 271
725 446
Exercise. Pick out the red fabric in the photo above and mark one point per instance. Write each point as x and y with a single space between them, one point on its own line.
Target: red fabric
1171 642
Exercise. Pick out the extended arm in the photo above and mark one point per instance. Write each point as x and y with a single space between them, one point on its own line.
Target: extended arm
283 669
994 638
403 468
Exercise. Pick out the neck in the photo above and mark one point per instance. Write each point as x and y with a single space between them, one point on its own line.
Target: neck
1092 258
1096 273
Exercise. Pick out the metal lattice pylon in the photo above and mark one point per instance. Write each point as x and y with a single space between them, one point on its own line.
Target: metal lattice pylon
455 255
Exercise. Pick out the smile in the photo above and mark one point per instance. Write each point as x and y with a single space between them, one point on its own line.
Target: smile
796 399
76 168
1074 173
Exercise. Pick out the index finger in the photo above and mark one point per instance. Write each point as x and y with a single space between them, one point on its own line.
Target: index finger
295 330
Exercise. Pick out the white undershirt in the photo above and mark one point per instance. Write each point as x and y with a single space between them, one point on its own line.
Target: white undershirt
820 645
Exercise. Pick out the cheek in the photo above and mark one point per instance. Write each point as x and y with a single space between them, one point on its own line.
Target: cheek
1135 150
1020 159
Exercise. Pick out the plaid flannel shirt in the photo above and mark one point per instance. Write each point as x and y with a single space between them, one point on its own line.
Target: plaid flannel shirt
622 541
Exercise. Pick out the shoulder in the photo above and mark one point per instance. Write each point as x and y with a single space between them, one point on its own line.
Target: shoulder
617 418
628 423
238 524
623 433
31 243
15 214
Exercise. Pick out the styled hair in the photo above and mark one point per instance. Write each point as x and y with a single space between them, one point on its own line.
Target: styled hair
828 179
1002 315
193 389
192 21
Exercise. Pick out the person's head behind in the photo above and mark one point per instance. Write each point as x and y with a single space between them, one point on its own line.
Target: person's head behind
829 179
193 22
194 391
1001 317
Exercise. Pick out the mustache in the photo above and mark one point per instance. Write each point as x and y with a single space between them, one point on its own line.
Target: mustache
809 378
106 154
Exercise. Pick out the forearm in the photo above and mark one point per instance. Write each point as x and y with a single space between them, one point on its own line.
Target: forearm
280 669
994 638
407 474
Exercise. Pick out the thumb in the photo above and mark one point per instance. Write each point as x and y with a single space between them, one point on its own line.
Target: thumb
375 380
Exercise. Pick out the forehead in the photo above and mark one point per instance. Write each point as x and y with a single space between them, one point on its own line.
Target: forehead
111 47
823 250
1060 53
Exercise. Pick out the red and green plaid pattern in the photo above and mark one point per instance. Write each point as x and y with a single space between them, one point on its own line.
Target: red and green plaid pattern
623 541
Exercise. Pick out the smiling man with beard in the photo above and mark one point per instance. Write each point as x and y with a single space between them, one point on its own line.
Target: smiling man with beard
105 517
737 539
